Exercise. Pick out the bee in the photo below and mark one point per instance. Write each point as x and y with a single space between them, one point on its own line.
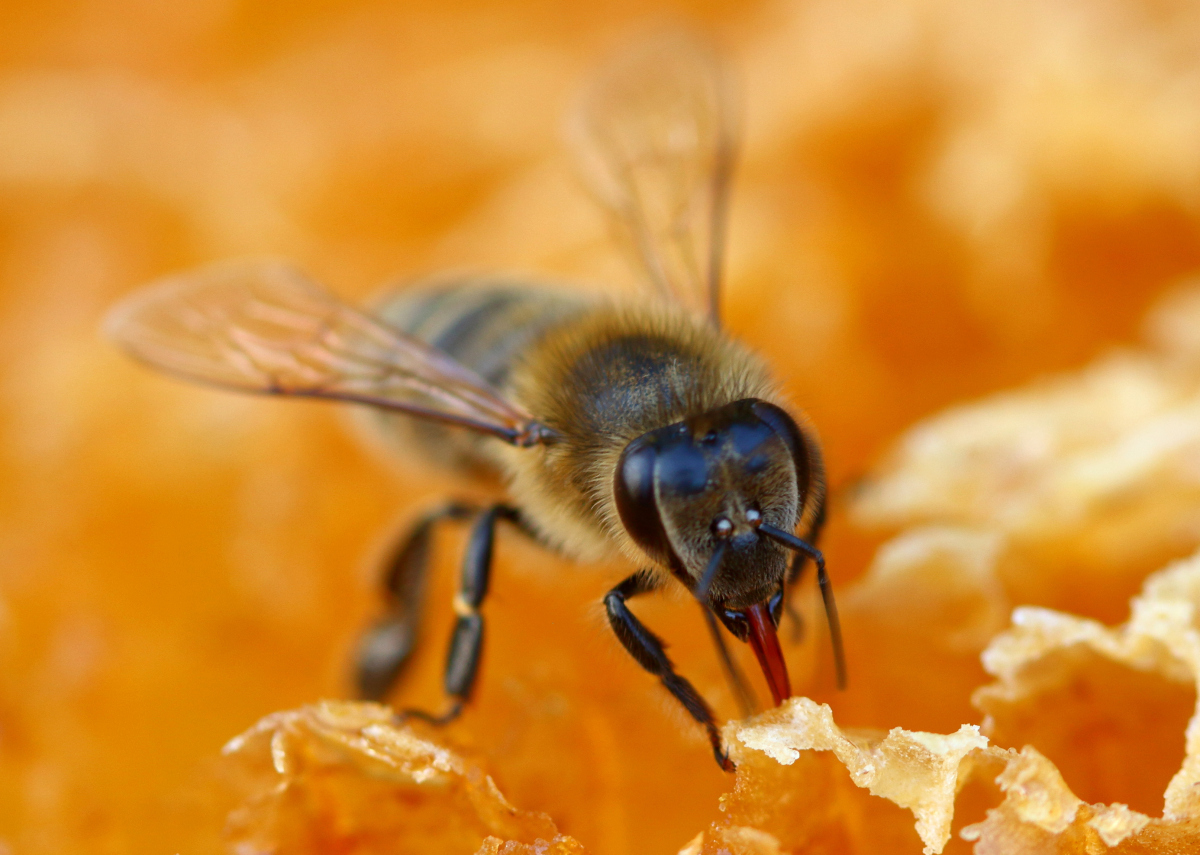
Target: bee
618 425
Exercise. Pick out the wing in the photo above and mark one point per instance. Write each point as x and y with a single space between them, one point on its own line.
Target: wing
656 137
264 327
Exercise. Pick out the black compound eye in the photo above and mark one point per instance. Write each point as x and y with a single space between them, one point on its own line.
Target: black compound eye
682 469
722 527
785 428
636 505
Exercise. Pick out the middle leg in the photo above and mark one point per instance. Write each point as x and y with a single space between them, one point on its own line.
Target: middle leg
466 639
386 648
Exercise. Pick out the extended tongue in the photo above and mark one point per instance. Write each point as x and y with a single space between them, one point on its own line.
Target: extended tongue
766 647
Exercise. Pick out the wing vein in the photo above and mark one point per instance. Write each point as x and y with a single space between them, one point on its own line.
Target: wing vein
263 327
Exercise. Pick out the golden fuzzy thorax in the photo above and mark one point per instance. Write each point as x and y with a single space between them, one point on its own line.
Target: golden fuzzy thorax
600 380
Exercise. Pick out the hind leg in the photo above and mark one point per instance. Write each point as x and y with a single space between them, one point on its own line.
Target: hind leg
386 646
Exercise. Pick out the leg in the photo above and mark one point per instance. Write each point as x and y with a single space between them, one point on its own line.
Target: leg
466 641
647 649
737 680
386 647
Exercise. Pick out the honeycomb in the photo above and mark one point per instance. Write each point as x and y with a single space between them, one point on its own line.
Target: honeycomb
966 236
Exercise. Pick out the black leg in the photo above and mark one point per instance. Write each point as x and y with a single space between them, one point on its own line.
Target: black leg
466 640
737 680
647 649
386 647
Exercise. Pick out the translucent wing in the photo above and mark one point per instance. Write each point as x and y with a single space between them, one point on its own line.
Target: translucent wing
264 327
656 138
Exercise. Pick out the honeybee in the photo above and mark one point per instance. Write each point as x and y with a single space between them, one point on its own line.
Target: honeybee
630 426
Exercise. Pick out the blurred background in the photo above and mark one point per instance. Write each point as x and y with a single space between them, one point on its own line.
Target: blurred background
936 199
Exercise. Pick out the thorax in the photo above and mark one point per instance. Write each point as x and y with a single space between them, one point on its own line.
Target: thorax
600 380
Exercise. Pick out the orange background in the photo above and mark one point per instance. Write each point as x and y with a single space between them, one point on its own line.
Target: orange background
936 201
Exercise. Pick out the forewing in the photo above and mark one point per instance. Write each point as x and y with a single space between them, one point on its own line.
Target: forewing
264 327
656 137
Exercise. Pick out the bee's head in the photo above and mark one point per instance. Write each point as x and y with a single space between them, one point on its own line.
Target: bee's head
693 494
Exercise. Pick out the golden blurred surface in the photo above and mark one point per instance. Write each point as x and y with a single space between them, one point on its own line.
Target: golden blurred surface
936 201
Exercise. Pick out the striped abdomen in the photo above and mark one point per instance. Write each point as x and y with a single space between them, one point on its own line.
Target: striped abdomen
485 325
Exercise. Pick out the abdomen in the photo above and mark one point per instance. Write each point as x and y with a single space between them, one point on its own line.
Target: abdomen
486 325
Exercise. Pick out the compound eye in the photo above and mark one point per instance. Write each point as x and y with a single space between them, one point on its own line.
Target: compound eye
682 469
754 517
722 527
637 506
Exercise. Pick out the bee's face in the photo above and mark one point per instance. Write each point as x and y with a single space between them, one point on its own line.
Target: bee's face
705 485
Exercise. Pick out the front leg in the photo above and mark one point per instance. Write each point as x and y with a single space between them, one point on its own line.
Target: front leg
647 649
